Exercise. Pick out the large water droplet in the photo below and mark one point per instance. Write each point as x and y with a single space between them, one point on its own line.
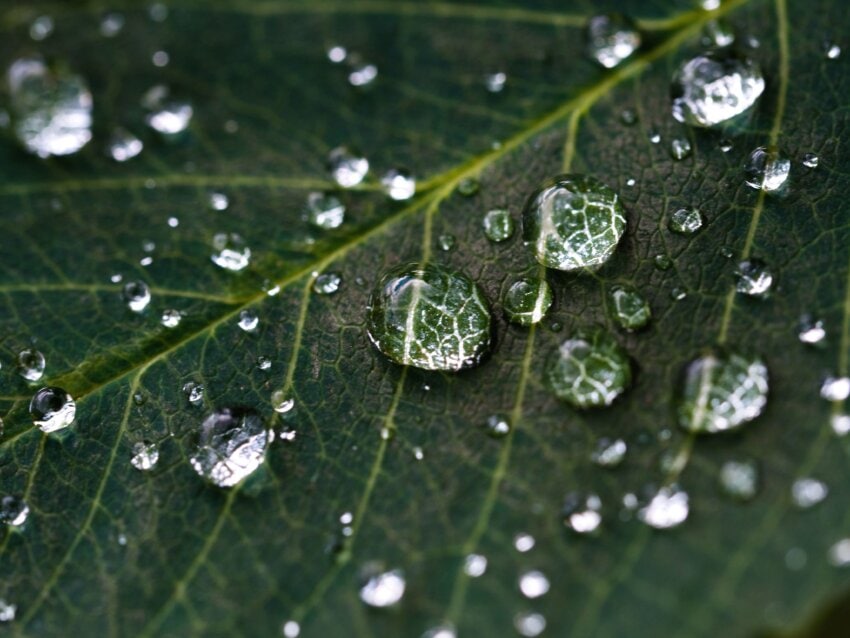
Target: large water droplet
325 211
629 308
123 145
686 221
347 166
232 444
753 277
533 584
527 301
14 511
667 508
52 409
51 109
572 222
589 370
581 513
740 479
399 184
136 295
381 588
230 252
31 364
722 391
611 38
712 89
498 225
767 169
429 317
145 456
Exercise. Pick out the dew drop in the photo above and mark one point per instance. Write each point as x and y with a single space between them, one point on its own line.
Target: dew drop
281 402
832 50
166 116
31 364
810 160
52 409
498 225
495 82
347 166
399 184
123 145
839 553
41 28
136 295
232 444
529 624
740 479
655 137
686 221
14 511
468 186
248 320
362 74
808 492
840 424
667 508
767 169
111 25
219 201
446 242
291 629
171 318
264 362
381 588
440 631
725 145
717 34
145 456
810 331
497 426
327 283
325 211
628 117
835 388
527 301
7 611
230 252
609 452
754 278
611 38
194 392
475 565
523 542
581 513
662 262
533 584
629 308
680 148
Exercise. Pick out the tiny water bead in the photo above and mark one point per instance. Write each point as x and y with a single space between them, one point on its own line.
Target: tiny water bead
264 362
712 89
680 148
218 201
754 278
166 116
589 370
807 492
611 38
194 392
230 252
52 409
291 629
347 166
171 318
381 588
810 160
722 391
629 308
609 452
31 364
495 82
717 34
686 221
581 513
740 479
446 242
327 283
527 301
498 225
362 73
662 262
573 222
14 511
475 565
668 508
399 184
533 584
325 211
497 426
767 169
232 444
50 108
145 456
429 317
468 186
628 117
523 542
281 402
123 145
248 320
839 553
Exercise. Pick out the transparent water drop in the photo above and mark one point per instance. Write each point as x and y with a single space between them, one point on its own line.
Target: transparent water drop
166 116
123 145
628 117
446 242
573 222
468 186
475 565
495 82
399 184
497 426
31 364
41 28
523 542
808 492
418 453
264 362
281 402
160 58
667 508
722 391
686 221
145 456
381 588
712 89
754 278
832 50
655 137
810 160
796 559
840 424
611 38
194 392
347 166
527 301
232 444
325 211
50 109
767 169
136 295
14 511
680 148
581 513
219 201
662 262
835 388
52 409
839 553
588 370
609 452
725 145
111 25
337 53
171 318
291 629
717 34
629 309
429 317
270 288
529 624
248 320
230 252
7 611
740 479
327 283
533 584
362 74
498 225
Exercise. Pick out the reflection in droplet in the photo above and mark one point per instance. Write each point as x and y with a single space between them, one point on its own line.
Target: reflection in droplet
767 169
31 364
230 252
123 145
668 508
14 511
527 301
232 444
136 295
381 588
347 166
611 38
399 184
52 409
754 278
325 211
145 456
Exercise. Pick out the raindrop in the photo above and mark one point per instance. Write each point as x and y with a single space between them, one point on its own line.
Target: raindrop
248 320
281 403
429 317
497 426
52 409
218 201
41 28
145 456
609 452
337 54
725 145
441 631
446 242
325 211
232 444
166 116
291 629
810 160
667 508
655 137
111 25
686 221
740 479
767 169
418 453
523 542
840 424
14 511
680 148
381 588
629 308
230 252
835 388
533 584
475 565
194 392
264 362
573 222
171 318
611 38
468 186
754 278
495 82
529 624
327 283
581 513
31 364
527 301
362 74
136 295
498 225
347 166
807 492
123 145
399 184
588 370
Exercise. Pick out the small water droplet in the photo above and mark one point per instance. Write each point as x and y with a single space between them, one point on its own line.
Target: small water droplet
498 225
628 117
609 452
495 82
31 364
219 201
475 565
171 318
654 137
529 624
281 402
158 12
629 308
41 28
835 388
418 453
230 252
347 166
145 456
440 631
611 38
7 611
166 116
725 145
52 409
270 288
767 169
527 301
136 295
662 262
667 508
327 283
497 426
832 50
139 398
740 479
232 444
468 186
839 553
264 362
111 25
362 74
446 242
337 53
14 511
325 211
680 148
123 145
686 221
399 184
808 492
523 542
754 278
581 513
717 34
381 588
810 160
840 424
533 584
248 320
194 392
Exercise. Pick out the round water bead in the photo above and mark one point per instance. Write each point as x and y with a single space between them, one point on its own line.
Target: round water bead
52 409
722 391
589 370
123 145
232 444
753 277
573 222
136 295
230 252
498 225
325 211
611 38
399 184
767 169
497 426
527 301
327 283
686 221
381 588
468 186
740 479
629 308
667 508
429 317
347 166
145 456
680 148
14 511
31 364
581 513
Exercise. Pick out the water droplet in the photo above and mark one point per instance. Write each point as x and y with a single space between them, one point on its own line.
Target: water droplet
581 513
41 28
609 452
722 391
810 160
381 588
796 559
248 320
7 611
667 508
677 293
629 308
529 624
281 403
166 116
219 201
194 392
475 565
712 89
325 211
291 629
628 117
232 444
807 492
662 262
136 295
611 38
429 317
840 424
498 225
589 370
717 34
572 222
347 166
754 278
832 50
264 362
523 542
51 109
145 456
655 137
497 426
327 283
468 186
418 453
835 388
495 82
139 398
230 252
399 184
362 74
839 553
158 12
441 631
767 169
527 301
680 148
725 145
533 584
123 145
740 479
14 511
270 288
31 364
686 221
446 242
52 409
160 58
111 25
171 318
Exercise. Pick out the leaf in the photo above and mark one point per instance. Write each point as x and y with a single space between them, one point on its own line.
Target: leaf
109 550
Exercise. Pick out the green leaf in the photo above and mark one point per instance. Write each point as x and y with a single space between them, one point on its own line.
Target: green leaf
110 550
